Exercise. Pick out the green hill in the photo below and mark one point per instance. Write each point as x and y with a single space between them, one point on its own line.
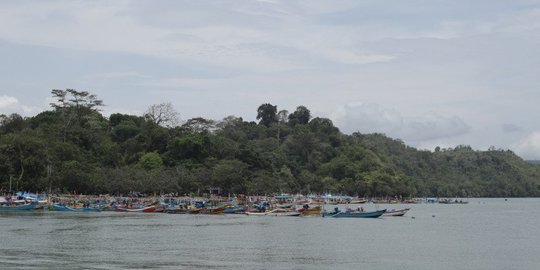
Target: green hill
74 148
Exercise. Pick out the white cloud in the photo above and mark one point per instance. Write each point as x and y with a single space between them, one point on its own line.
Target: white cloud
10 105
529 147
426 70
221 41
7 101
371 118
119 75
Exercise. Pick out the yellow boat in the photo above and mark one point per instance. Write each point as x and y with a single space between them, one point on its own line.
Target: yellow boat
311 211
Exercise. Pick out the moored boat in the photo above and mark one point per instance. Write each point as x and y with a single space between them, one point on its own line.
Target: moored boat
213 210
358 201
311 211
234 210
64 208
21 207
278 212
396 213
148 209
354 214
452 201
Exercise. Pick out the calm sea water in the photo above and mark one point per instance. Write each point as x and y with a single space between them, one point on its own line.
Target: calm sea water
484 234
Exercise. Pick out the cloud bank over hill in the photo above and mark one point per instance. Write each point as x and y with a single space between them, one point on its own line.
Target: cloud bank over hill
430 73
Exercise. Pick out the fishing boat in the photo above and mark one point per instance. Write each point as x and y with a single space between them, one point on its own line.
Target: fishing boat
148 209
354 214
358 201
234 210
194 211
64 208
176 210
313 211
213 210
278 212
452 201
396 213
21 207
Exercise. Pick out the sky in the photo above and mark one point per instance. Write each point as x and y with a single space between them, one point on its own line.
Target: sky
431 73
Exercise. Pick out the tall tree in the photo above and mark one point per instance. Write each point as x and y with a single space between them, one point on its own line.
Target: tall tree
301 116
163 114
267 113
73 106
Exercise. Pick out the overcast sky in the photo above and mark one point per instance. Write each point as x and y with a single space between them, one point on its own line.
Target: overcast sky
432 73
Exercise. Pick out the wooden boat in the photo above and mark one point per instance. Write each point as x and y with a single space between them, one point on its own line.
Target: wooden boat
285 205
234 210
396 213
450 201
194 210
213 211
21 207
278 212
176 211
358 201
385 201
148 209
354 214
313 211
64 208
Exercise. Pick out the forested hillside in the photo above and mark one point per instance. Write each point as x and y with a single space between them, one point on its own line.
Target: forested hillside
74 148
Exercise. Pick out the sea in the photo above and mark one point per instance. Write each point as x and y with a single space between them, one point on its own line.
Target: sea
494 233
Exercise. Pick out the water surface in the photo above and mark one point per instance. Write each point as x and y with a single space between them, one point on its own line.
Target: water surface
484 234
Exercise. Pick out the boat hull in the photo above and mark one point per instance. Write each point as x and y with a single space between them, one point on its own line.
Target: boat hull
63 208
234 210
314 211
24 207
149 209
396 213
372 214
279 212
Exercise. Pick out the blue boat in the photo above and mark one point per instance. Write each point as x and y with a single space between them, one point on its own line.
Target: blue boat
22 207
354 214
234 210
63 208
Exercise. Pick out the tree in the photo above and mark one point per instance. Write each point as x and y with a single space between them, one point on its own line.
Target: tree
150 161
71 98
162 114
230 175
199 125
301 116
11 124
73 107
267 114
281 120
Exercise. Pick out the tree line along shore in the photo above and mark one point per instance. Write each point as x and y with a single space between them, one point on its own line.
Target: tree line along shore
74 148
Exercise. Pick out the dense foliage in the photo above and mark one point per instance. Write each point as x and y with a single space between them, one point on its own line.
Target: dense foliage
74 148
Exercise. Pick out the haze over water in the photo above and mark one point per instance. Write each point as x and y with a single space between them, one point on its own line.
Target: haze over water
484 234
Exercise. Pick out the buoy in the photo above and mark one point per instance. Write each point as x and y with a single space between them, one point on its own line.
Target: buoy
432 215
413 217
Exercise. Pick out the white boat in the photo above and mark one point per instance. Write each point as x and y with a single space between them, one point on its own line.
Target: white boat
276 212
396 213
